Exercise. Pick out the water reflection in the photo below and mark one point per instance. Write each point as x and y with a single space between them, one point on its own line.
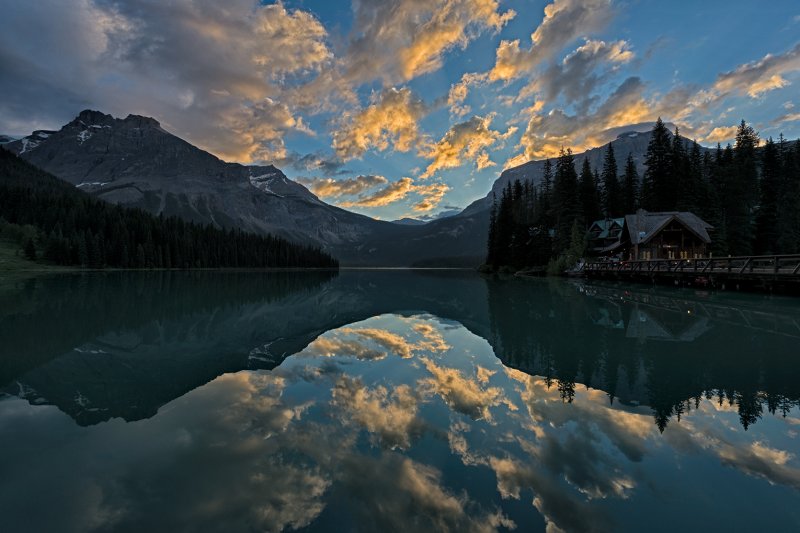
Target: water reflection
394 401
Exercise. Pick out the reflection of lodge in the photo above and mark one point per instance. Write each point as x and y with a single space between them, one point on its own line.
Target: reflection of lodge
644 324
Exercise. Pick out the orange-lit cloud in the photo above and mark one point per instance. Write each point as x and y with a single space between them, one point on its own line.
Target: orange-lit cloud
390 121
721 134
759 77
564 21
466 141
335 188
403 39
432 194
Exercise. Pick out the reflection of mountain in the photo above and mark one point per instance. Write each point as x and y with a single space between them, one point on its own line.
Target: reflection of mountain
122 345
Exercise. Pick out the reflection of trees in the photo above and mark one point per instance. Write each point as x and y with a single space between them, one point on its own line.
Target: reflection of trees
652 347
77 308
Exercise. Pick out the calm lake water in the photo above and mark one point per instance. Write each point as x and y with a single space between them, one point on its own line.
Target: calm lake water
394 401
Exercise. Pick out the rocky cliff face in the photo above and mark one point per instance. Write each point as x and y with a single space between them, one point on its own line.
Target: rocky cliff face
136 163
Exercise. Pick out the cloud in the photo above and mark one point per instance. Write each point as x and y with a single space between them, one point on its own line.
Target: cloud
233 98
335 188
390 121
432 194
547 133
398 41
459 91
464 141
788 117
314 162
720 134
577 76
759 77
564 21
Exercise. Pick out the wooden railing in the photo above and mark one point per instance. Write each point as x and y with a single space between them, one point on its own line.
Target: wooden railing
755 265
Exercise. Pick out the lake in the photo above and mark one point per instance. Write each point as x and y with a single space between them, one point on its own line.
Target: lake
394 401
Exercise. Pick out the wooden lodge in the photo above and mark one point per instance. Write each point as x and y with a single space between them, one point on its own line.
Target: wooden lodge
664 235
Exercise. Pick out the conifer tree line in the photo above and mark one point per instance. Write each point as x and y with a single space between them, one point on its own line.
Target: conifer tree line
65 226
749 192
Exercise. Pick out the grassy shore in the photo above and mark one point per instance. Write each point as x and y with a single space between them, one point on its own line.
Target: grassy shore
13 260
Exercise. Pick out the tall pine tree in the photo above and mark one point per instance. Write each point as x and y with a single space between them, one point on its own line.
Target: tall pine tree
566 205
590 200
612 200
630 187
657 184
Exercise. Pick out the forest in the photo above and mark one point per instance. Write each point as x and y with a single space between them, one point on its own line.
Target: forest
749 192
52 221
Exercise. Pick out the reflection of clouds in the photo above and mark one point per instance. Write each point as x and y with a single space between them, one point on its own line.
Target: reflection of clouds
375 342
270 450
389 414
393 342
459 391
336 347
398 494
433 341
755 458
561 509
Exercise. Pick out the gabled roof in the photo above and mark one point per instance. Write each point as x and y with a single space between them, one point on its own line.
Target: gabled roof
644 225
605 226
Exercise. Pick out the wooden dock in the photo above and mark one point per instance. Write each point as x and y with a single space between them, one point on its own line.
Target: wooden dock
772 273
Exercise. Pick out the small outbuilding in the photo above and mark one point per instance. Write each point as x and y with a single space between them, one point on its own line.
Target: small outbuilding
604 233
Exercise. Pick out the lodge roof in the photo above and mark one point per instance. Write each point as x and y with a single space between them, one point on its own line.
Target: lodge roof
644 225
605 226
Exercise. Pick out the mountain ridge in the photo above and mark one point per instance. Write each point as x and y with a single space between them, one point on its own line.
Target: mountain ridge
134 161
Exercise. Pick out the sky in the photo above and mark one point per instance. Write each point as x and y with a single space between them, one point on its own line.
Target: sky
404 108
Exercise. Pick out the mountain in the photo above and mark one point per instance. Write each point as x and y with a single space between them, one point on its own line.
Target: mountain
6 139
408 222
136 163
631 142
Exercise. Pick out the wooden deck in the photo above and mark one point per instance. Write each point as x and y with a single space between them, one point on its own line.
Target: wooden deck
779 273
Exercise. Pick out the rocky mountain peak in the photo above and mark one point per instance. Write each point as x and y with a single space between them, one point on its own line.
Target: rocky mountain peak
139 121
87 117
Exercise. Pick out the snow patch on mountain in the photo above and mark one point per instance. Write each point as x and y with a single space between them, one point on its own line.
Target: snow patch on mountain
263 182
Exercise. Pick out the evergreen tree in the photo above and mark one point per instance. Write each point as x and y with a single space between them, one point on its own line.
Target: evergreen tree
30 250
789 201
546 195
767 230
678 192
492 252
566 205
630 187
657 187
742 190
612 199
692 195
589 197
